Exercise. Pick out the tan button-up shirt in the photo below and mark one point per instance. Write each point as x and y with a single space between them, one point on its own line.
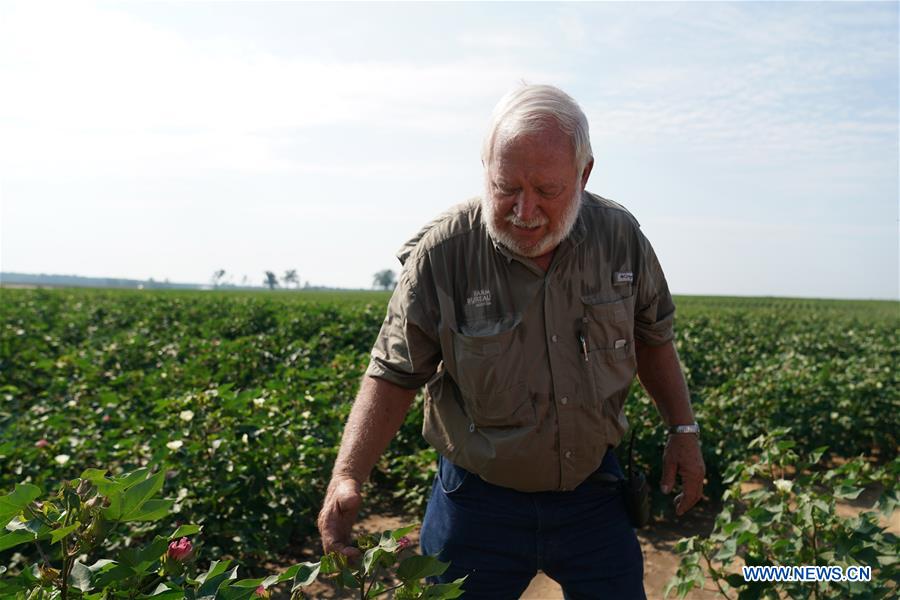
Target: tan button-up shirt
526 371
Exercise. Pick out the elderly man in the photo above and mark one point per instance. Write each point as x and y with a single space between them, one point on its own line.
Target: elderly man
526 314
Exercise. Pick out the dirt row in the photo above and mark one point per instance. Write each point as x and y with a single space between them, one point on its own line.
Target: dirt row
657 542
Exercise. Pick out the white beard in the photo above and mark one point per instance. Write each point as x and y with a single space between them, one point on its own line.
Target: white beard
550 241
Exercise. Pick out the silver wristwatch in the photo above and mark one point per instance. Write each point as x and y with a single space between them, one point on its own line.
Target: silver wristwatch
692 428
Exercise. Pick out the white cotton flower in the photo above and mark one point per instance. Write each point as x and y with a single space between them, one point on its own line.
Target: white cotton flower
783 485
259 401
186 415
175 445
62 458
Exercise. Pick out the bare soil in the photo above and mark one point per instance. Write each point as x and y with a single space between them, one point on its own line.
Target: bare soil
657 541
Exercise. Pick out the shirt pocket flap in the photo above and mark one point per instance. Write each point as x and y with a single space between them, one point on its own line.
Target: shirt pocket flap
604 309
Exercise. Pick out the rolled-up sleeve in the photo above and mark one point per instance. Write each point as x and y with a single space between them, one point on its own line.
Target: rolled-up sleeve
654 309
407 351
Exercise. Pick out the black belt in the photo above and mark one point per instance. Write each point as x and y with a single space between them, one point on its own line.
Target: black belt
605 479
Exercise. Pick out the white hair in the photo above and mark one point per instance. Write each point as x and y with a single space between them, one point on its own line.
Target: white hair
526 110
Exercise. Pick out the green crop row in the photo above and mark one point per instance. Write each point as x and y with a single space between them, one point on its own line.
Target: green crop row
242 396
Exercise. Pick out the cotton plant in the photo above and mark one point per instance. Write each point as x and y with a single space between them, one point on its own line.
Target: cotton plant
73 534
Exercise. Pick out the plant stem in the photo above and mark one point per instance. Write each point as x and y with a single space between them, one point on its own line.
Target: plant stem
41 552
371 583
812 517
67 559
399 585
362 584
712 572
152 584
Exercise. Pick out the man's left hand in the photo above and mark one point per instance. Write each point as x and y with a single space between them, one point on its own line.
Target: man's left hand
682 457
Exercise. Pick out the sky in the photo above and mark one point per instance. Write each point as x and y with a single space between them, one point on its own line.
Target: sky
756 143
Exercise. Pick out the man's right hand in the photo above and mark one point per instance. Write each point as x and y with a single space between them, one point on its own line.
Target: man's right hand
342 502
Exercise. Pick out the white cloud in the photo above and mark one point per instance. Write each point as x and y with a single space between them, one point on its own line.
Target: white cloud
102 92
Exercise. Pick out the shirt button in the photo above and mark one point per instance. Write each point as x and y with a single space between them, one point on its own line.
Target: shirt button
568 454
554 338
564 399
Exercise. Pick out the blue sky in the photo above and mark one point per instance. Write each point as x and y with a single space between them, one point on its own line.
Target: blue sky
757 143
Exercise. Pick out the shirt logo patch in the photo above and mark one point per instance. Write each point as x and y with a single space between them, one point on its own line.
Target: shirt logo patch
479 298
624 277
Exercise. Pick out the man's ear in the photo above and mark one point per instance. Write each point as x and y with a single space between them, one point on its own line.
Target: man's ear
586 173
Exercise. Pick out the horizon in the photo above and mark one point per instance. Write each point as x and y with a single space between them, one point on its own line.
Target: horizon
208 287
757 144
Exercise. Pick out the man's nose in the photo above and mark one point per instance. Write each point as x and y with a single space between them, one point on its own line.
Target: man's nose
526 205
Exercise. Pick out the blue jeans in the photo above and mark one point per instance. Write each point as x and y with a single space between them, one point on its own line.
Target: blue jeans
500 537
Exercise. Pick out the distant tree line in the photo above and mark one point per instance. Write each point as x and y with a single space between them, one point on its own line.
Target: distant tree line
385 280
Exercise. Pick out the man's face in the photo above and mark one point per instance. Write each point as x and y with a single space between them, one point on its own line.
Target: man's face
533 191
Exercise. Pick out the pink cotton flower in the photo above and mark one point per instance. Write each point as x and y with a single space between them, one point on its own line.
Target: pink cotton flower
404 542
105 419
261 592
180 550
41 443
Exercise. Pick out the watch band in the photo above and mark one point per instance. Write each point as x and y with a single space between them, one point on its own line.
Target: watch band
692 428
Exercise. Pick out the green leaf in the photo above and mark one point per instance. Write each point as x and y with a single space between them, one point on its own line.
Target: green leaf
847 492
331 563
419 567
104 564
371 559
14 538
215 568
816 455
212 583
444 591
305 575
162 592
104 485
347 579
140 493
58 534
113 512
726 552
399 533
185 530
140 560
127 480
80 577
228 591
151 510
14 502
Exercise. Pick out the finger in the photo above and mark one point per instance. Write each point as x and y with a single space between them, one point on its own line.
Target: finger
670 466
335 524
693 483
684 502
692 492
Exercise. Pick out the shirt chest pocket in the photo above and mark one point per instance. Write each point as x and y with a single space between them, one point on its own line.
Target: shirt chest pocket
608 338
608 328
489 375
